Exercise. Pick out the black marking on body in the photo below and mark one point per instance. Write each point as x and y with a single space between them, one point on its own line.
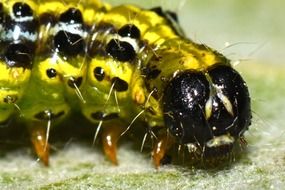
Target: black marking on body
129 30
74 82
18 55
51 73
48 115
99 73
21 26
69 44
121 50
119 84
101 116
21 10
71 16
30 26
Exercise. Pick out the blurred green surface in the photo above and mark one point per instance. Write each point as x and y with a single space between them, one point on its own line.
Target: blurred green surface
255 27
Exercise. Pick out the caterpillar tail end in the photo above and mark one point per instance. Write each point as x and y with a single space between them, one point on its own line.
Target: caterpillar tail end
110 136
41 147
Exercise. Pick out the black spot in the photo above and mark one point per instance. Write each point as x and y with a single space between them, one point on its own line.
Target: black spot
130 30
99 73
119 84
103 116
22 10
71 16
122 51
69 44
74 82
18 55
48 115
51 73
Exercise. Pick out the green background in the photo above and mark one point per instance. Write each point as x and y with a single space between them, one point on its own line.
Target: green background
255 31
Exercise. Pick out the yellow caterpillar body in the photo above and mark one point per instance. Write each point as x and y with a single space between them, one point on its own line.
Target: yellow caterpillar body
117 65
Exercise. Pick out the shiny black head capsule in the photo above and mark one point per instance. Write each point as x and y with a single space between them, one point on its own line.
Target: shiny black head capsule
207 110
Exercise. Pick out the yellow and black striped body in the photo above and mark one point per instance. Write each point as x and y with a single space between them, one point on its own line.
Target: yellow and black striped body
116 65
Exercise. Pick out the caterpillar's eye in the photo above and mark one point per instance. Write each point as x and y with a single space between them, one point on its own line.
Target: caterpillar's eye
22 10
18 55
208 111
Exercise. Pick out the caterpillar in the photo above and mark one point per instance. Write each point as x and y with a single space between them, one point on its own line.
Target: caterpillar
117 66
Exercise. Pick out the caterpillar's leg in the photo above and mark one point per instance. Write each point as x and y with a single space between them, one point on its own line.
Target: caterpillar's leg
163 143
39 141
110 136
